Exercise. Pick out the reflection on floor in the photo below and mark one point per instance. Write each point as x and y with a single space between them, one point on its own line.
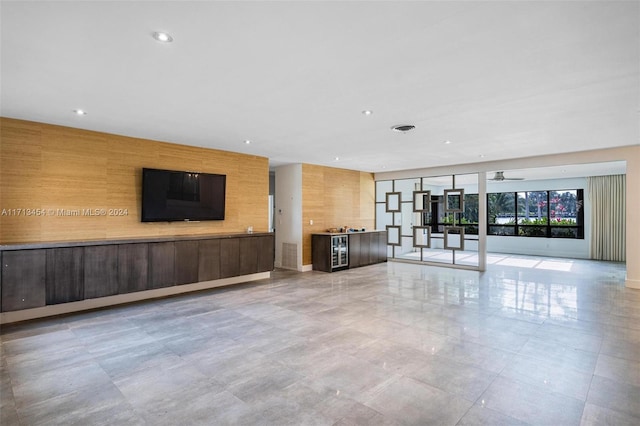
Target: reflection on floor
470 258
530 341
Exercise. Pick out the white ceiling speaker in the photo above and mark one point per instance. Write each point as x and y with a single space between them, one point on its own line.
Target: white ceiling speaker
499 177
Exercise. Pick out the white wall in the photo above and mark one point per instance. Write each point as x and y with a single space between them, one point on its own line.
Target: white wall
633 218
288 206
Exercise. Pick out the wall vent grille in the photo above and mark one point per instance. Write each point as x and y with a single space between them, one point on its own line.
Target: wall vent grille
289 256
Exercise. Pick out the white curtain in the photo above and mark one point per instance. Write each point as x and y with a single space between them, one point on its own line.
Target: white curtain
607 196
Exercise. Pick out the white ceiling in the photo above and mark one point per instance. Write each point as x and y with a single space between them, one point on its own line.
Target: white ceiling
536 174
499 79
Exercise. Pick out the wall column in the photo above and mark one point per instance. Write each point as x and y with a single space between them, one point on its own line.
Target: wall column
633 220
482 221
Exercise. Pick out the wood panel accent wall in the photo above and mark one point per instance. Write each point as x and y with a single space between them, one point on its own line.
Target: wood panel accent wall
332 198
63 169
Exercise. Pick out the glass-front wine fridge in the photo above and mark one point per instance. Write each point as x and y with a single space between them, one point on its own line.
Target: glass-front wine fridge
339 251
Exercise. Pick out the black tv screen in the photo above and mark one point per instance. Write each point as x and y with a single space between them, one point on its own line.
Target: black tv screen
169 195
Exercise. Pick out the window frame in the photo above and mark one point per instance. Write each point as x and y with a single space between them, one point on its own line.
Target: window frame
539 230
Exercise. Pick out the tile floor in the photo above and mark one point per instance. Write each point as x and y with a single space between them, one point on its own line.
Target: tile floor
531 341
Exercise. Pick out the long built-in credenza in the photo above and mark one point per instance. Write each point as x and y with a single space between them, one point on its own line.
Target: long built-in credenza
43 279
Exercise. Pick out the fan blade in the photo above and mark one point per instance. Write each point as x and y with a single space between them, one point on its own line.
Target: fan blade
499 177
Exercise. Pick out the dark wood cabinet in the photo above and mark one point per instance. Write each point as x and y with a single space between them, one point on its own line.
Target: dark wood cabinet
100 271
266 253
379 247
354 250
133 264
321 252
64 275
162 265
382 246
364 248
248 252
186 262
229 257
23 279
37 275
209 260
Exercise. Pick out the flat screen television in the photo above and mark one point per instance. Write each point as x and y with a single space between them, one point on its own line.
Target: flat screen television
170 195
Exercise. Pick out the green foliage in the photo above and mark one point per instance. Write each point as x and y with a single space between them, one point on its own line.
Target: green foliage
471 208
533 231
560 222
447 220
450 220
564 232
500 203
537 221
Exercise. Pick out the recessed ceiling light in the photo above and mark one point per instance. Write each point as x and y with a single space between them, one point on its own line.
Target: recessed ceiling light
337 158
403 128
447 142
162 37
247 141
481 155
367 112
80 112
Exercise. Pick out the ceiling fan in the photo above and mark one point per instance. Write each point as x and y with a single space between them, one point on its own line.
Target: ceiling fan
499 177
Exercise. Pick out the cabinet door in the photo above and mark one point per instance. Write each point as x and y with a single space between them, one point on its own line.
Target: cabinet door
354 250
374 252
186 262
162 257
65 276
23 279
100 271
229 257
339 251
133 261
321 252
248 255
266 253
365 249
209 260
382 246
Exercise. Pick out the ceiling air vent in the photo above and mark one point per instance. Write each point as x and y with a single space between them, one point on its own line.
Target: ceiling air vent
403 128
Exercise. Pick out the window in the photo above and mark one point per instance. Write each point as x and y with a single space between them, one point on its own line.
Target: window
469 219
550 214
501 213
533 216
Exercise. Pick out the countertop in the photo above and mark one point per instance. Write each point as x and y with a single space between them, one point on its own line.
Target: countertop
133 240
349 233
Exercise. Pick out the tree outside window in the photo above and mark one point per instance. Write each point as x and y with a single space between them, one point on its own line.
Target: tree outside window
469 219
501 213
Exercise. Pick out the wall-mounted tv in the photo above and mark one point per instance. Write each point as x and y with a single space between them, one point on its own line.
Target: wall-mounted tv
169 195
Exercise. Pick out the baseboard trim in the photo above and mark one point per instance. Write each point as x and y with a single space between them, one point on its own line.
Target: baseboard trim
118 299
629 283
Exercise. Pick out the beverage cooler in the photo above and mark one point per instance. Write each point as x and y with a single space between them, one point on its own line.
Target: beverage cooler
339 251
330 252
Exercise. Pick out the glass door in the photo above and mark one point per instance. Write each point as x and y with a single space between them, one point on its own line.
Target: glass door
339 251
